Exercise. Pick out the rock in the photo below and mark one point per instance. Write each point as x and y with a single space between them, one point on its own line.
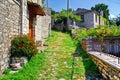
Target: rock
15 66
61 79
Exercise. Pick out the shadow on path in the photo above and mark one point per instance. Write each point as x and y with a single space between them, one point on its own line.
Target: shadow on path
76 54
90 69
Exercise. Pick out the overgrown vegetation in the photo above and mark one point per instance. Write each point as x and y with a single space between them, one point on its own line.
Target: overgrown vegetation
115 21
100 32
58 62
62 16
29 72
22 46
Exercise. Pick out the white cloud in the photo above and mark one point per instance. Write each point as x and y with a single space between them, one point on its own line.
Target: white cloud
111 16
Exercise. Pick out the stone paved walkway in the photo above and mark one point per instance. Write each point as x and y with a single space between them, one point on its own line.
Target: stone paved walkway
60 63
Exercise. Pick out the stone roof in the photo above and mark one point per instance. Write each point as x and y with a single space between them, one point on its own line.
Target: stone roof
83 11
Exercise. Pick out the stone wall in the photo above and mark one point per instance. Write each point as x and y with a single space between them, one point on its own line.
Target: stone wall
91 20
38 31
108 71
110 46
46 22
96 20
88 20
25 16
11 22
9 27
42 27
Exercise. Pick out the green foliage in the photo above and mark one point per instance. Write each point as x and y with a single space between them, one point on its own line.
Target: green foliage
7 71
118 20
107 22
43 1
22 46
71 15
81 33
65 46
53 12
74 17
115 31
52 38
112 21
100 32
63 16
30 71
102 7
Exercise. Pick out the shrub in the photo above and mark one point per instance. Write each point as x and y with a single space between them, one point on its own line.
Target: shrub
23 46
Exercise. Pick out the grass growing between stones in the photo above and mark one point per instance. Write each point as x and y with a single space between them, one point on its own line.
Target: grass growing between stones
58 63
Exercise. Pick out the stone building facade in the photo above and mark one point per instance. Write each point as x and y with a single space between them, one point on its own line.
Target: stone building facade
21 17
90 19
46 23
9 27
43 26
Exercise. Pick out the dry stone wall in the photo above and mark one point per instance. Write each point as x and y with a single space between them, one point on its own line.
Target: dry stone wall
46 22
108 71
25 16
42 27
11 15
9 27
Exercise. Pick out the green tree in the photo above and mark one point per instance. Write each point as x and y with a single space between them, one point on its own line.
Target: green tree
118 20
115 31
113 21
53 12
43 1
102 7
63 15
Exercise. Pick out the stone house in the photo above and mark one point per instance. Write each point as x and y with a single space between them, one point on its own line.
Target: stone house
21 17
90 19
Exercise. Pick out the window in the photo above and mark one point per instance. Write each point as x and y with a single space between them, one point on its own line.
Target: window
96 18
27 13
82 17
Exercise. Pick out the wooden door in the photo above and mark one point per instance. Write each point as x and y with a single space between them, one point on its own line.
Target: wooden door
31 26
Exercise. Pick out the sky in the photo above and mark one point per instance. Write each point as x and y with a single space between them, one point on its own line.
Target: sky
58 5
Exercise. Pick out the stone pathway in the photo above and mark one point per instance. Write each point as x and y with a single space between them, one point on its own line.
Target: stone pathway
59 62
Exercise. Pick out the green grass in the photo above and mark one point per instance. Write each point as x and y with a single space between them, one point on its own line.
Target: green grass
57 62
30 71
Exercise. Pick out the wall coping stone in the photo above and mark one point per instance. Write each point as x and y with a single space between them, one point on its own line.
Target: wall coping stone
111 63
